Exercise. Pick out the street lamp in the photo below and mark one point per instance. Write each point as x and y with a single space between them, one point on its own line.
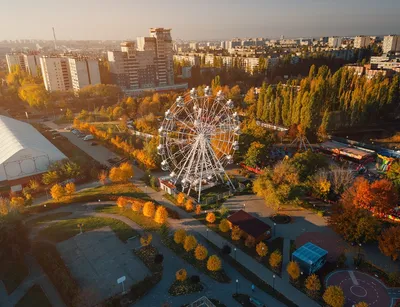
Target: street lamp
237 285
235 252
207 233
359 253
273 282
274 229
244 206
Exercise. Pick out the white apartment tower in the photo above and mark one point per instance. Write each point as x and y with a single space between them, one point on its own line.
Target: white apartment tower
391 43
56 73
27 62
335 42
84 72
362 41
164 55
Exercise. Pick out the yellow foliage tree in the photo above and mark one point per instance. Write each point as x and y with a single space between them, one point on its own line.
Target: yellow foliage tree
224 225
275 259
148 209
210 217
70 188
334 296
236 233
145 240
17 203
190 243
115 174
136 206
214 263
293 270
103 177
189 205
57 191
198 209
313 284
122 202
161 215
200 252
179 236
181 275
126 171
361 304
250 241
262 249
180 199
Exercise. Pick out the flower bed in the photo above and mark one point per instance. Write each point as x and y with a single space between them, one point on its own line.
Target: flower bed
281 218
184 287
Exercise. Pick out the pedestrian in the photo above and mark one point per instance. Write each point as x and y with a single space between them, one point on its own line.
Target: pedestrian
252 288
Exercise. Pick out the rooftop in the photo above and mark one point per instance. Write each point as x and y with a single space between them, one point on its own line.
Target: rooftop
249 223
310 253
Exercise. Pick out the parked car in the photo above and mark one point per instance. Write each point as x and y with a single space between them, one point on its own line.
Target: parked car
93 144
88 137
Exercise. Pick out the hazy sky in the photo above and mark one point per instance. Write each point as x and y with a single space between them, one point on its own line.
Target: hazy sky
194 19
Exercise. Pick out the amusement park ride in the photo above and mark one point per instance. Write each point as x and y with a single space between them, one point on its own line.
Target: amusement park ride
198 138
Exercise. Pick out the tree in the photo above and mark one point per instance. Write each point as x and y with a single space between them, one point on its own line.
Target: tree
190 243
236 233
57 191
181 275
262 249
210 217
198 209
50 177
313 284
214 263
115 174
394 173
69 115
148 209
161 215
308 163
179 236
389 242
384 196
180 199
224 225
17 204
34 94
200 252
146 239
126 171
250 241
361 304
70 188
275 259
334 296
189 205
34 185
136 206
293 270
255 154
103 177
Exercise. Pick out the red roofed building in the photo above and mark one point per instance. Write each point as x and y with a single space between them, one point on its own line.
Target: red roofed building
250 225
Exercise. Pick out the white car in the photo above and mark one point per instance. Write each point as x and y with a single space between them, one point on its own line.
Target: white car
88 137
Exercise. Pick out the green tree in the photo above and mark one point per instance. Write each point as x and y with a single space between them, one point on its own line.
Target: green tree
394 173
255 154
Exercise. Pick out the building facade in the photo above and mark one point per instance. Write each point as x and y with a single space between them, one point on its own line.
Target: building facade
56 73
84 72
362 41
335 42
391 43
29 63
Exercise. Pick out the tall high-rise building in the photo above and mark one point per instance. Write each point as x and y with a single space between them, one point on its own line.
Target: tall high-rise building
27 62
391 43
148 63
56 73
84 72
362 41
335 41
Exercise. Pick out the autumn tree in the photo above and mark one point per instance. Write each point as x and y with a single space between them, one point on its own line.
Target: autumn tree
361 304
394 173
214 263
146 239
115 174
103 175
313 285
148 209
122 202
198 209
389 242
189 205
384 196
126 171
224 225
180 199
136 206
17 204
189 243
50 177
179 236
262 249
57 191
250 241
70 189
256 153
236 233
161 215
293 270
275 259
181 275
210 217
200 252
334 296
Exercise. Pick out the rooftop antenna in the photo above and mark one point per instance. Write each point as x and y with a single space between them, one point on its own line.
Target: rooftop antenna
55 39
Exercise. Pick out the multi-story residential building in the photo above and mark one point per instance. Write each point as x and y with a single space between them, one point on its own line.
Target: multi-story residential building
362 41
335 42
56 73
233 43
386 61
29 63
194 46
84 72
191 59
391 43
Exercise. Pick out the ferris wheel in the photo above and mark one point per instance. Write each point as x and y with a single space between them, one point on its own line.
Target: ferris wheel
198 138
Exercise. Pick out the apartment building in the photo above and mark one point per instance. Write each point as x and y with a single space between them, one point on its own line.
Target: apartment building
29 63
56 73
84 72
335 42
362 41
391 43
191 59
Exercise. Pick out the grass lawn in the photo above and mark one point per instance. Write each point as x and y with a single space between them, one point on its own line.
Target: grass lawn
46 218
35 297
143 221
12 274
66 229
274 244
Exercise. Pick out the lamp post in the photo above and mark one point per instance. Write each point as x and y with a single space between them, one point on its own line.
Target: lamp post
235 252
274 229
359 253
237 285
273 282
244 207
207 233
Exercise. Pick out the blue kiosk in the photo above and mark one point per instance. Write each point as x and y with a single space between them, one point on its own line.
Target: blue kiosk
310 257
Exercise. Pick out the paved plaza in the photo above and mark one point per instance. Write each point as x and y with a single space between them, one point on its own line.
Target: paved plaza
97 259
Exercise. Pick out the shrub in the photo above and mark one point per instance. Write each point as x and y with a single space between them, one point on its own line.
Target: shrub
223 211
148 209
275 259
213 263
57 191
189 205
103 177
190 243
334 296
179 236
226 249
293 270
198 209
313 284
122 202
145 240
262 249
200 252
250 241
224 225
236 233
210 217
70 188
136 206
195 279
181 275
161 215
180 199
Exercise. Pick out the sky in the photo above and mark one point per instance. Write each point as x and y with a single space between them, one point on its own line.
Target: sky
196 20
